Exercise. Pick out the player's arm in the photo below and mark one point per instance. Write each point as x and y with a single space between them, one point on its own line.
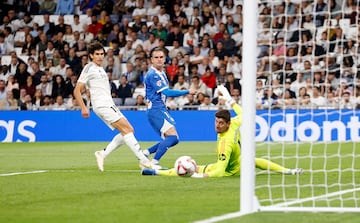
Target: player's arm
176 93
78 90
217 169
224 153
225 95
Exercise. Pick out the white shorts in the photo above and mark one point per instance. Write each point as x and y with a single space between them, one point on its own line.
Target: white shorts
109 115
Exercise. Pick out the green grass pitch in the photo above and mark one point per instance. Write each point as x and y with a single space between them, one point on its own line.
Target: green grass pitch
73 190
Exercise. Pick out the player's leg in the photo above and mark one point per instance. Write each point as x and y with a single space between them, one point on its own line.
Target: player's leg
153 172
170 140
205 168
127 131
268 165
163 124
100 155
151 150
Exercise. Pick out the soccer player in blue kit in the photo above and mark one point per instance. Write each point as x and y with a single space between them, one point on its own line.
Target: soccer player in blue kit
157 90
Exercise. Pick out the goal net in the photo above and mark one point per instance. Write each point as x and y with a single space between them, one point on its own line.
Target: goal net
307 106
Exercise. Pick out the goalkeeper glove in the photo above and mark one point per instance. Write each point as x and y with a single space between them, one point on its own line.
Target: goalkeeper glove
225 95
197 175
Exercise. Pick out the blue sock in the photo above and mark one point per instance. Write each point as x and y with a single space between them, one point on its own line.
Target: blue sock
154 148
163 146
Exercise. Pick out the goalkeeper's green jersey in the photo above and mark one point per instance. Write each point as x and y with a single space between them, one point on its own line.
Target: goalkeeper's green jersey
228 149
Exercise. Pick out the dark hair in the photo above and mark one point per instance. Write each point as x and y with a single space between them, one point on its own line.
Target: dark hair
224 114
156 49
95 46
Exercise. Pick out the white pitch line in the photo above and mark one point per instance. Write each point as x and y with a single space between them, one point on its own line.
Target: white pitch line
95 170
66 171
22 173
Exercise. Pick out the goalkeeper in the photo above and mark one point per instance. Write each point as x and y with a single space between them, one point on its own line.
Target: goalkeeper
228 147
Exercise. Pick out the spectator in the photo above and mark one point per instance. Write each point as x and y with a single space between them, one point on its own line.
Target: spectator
191 104
21 75
140 103
45 86
64 7
58 88
219 51
204 64
59 104
125 89
12 102
229 45
175 34
5 47
209 79
152 10
85 5
150 43
196 58
143 33
49 27
131 76
172 71
181 84
316 99
126 52
11 83
46 103
160 32
70 85
163 17
234 83
191 39
61 68
86 35
47 6
29 44
30 87
3 90
27 104
177 15
140 11
198 85
207 104
112 68
77 26
37 99
4 74
234 66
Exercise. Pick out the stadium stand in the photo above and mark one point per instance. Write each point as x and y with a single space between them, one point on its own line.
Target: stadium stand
286 31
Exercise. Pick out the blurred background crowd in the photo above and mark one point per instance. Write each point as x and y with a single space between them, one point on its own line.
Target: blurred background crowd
307 54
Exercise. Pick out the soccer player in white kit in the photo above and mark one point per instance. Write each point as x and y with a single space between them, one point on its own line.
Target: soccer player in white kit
94 78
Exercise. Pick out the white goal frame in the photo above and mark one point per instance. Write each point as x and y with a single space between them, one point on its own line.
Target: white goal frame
248 202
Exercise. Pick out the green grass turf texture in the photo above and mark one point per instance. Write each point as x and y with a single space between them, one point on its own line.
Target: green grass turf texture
73 190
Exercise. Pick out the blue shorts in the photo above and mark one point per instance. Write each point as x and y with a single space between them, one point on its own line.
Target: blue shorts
160 120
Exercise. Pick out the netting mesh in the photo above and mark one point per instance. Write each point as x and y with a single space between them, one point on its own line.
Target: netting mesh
308 97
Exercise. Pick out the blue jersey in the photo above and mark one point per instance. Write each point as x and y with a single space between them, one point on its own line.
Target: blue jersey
155 83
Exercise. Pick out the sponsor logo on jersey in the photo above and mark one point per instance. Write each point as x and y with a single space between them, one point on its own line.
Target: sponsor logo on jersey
222 157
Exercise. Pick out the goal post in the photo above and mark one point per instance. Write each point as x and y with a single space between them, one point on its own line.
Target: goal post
247 175
299 132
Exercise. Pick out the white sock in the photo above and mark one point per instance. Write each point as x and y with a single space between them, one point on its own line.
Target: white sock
134 146
117 141
146 152
154 161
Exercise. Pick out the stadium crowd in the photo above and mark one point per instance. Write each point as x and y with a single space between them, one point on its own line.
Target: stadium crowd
307 51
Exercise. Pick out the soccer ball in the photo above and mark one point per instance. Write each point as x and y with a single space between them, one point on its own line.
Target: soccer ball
185 166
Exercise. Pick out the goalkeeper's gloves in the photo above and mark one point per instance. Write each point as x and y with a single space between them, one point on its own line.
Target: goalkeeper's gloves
225 95
197 175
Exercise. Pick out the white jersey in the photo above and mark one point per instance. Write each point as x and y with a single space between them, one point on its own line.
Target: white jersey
96 80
